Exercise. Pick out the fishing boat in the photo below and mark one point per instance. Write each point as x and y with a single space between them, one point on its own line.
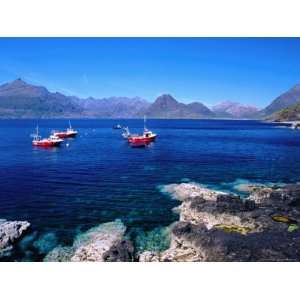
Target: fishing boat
68 133
147 136
118 126
52 141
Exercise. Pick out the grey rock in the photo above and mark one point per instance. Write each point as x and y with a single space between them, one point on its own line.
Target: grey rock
60 254
217 226
10 232
105 242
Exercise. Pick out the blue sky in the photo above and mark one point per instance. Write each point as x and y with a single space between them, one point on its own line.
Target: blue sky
210 70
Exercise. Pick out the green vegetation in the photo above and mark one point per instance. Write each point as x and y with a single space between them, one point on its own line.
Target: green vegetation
291 113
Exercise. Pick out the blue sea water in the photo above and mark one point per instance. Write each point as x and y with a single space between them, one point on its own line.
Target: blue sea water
97 177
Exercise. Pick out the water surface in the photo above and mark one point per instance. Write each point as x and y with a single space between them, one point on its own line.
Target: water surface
97 177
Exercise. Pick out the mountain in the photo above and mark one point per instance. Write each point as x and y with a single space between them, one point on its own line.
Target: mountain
291 113
167 107
228 109
287 99
200 109
19 99
114 107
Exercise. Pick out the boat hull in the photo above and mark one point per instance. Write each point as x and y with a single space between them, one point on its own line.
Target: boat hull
64 135
46 144
142 139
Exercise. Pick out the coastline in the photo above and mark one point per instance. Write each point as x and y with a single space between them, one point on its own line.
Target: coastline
218 226
212 225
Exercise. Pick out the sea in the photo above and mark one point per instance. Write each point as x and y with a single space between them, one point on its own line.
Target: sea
97 177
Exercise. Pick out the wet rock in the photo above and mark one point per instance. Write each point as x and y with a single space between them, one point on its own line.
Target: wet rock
95 244
10 232
189 191
60 254
105 242
248 187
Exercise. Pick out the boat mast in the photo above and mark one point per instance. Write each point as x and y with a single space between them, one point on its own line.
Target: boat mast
70 126
145 123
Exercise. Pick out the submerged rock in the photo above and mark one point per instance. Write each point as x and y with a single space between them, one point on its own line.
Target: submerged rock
154 240
217 226
105 242
11 231
46 242
60 254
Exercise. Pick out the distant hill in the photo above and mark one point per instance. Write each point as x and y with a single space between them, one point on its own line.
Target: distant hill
19 99
113 107
228 109
291 113
287 99
167 107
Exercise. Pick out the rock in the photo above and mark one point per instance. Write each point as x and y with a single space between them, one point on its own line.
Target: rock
95 244
60 254
185 191
248 187
121 250
149 256
288 195
218 245
101 243
11 231
217 226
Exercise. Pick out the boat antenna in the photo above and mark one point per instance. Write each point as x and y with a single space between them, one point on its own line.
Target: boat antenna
70 124
145 122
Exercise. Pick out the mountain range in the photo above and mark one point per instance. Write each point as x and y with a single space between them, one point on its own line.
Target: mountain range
229 109
19 99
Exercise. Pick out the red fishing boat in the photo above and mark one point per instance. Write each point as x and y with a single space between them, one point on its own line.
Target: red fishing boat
146 138
52 141
70 132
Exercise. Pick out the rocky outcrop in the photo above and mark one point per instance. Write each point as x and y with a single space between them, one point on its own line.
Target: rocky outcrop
217 226
10 232
105 242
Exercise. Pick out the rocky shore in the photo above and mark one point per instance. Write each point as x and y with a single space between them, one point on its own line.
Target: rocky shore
105 242
263 225
10 232
217 226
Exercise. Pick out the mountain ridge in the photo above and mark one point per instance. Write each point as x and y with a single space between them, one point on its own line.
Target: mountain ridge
289 98
167 107
19 99
230 109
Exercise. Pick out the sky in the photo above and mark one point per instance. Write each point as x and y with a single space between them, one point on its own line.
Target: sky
209 70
